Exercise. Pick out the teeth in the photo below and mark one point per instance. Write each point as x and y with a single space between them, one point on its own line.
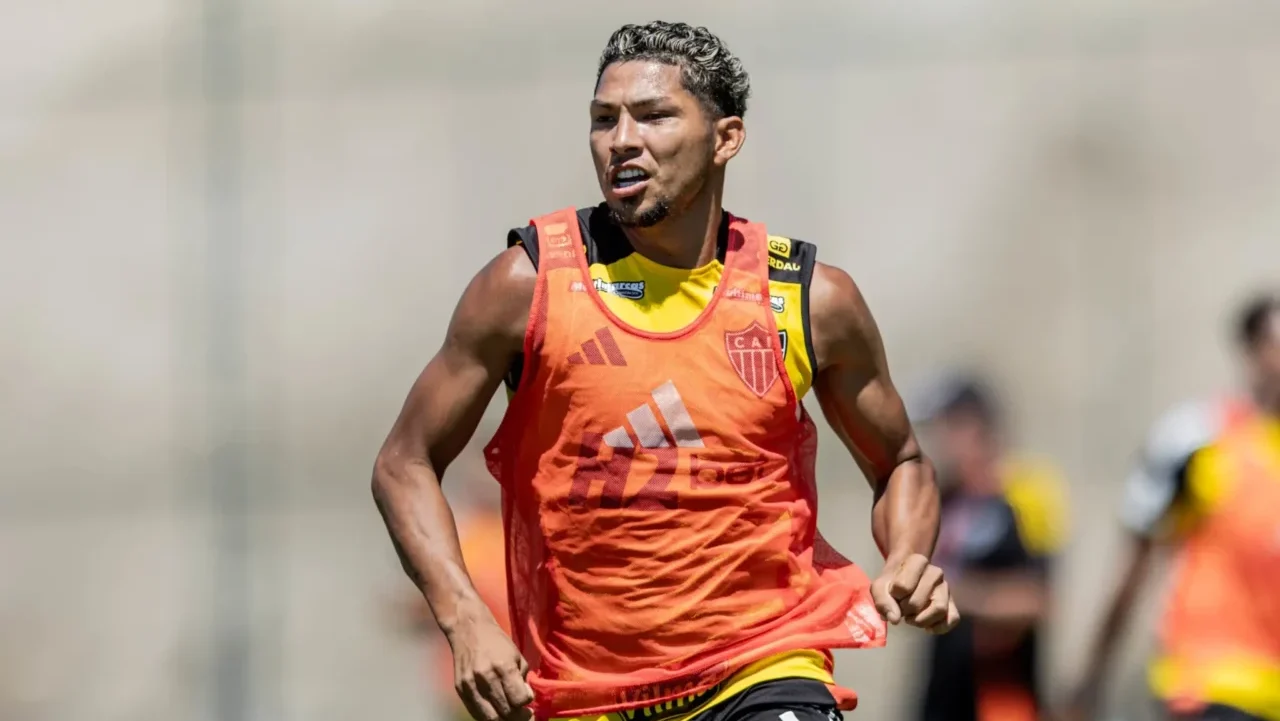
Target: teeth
631 174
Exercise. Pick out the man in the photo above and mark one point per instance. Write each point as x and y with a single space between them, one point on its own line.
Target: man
656 463
1003 521
1210 480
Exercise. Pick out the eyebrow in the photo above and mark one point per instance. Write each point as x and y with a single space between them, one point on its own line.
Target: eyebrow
642 102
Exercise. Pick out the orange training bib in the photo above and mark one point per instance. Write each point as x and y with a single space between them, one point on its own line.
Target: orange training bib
659 498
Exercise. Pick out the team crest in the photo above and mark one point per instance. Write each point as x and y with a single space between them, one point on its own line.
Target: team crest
751 355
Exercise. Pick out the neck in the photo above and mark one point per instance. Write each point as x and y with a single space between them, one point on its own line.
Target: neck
686 238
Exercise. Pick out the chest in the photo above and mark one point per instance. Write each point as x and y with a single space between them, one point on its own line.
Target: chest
1245 523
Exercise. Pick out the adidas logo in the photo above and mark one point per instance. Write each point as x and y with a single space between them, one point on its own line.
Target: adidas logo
606 352
647 429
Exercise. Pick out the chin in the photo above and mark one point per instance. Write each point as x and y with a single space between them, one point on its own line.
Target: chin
639 215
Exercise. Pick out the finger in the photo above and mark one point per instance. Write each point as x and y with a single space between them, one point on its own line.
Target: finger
933 615
925 592
936 610
949 622
490 685
477 706
953 615
908 576
885 604
518 693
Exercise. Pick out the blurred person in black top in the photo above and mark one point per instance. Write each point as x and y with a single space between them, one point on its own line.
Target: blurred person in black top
1002 523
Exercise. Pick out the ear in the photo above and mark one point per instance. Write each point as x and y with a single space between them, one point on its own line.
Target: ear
730 134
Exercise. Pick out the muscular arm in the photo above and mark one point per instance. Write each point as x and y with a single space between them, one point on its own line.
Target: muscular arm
437 420
863 407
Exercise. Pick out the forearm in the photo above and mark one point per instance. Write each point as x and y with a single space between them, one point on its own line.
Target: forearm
425 536
1117 616
905 515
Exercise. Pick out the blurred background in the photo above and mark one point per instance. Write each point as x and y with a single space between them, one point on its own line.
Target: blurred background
233 233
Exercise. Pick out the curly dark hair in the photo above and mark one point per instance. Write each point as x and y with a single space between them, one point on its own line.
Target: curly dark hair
708 70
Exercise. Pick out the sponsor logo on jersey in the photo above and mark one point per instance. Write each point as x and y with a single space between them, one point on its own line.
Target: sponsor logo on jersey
605 460
778 303
740 294
784 265
629 289
780 246
557 235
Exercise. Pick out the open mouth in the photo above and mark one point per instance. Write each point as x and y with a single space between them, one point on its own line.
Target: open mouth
629 177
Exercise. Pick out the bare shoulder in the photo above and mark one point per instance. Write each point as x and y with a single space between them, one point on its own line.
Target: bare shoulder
509 273
842 326
493 312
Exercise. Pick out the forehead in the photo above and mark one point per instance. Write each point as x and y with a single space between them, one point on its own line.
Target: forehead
639 81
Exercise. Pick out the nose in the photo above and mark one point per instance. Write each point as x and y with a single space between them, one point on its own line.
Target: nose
626 136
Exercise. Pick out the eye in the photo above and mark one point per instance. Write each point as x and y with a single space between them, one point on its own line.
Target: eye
657 115
604 119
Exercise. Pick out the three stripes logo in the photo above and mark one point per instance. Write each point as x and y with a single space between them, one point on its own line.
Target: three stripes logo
641 435
647 430
603 352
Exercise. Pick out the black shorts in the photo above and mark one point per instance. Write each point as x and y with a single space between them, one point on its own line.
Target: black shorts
787 699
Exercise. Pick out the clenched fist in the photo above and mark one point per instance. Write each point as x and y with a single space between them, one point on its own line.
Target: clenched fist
489 673
914 590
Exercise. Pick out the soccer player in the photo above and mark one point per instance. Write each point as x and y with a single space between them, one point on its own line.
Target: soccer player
1003 523
1209 480
656 462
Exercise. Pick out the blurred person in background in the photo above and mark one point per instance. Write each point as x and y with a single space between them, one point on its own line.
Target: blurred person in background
1003 523
656 463
1209 482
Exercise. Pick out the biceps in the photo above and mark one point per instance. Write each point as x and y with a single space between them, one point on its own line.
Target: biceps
445 406
867 413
